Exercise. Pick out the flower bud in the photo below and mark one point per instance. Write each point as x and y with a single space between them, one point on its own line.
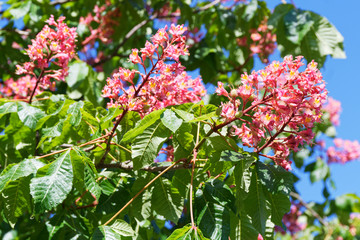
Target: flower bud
234 93
239 114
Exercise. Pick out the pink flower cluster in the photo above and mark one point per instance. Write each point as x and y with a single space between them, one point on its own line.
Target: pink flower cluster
291 220
21 88
105 24
343 151
165 83
280 105
262 41
50 48
333 107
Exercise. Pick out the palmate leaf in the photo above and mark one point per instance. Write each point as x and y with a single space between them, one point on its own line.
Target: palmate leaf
214 205
147 145
187 233
16 199
16 171
52 183
166 200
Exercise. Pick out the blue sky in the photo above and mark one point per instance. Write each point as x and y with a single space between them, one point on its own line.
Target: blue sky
343 82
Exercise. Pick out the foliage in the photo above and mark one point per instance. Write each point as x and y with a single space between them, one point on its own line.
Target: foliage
156 161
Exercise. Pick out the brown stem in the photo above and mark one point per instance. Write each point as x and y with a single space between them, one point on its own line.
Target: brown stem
64 150
36 85
143 189
108 143
272 138
192 178
312 211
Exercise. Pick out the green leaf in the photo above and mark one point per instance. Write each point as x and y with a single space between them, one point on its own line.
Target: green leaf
318 170
16 199
279 12
123 228
16 171
146 122
147 144
275 178
75 112
29 115
280 204
256 204
78 71
184 115
213 205
183 141
22 10
205 117
187 233
322 39
166 200
105 233
53 183
241 227
297 25
170 120
250 10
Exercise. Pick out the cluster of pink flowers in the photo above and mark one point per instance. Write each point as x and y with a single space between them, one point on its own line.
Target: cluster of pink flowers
284 105
291 220
105 24
262 41
21 88
50 48
343 151
165 83
333 107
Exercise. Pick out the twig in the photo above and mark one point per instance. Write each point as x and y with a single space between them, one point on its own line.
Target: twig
64 150
192 177
128 166
111 134
143 189
312 211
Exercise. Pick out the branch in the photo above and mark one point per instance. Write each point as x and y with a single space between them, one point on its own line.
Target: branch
128 166
312 211
143 189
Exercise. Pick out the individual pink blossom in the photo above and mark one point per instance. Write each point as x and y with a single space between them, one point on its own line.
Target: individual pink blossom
333 107
165 84
343 151
284 105
50 51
